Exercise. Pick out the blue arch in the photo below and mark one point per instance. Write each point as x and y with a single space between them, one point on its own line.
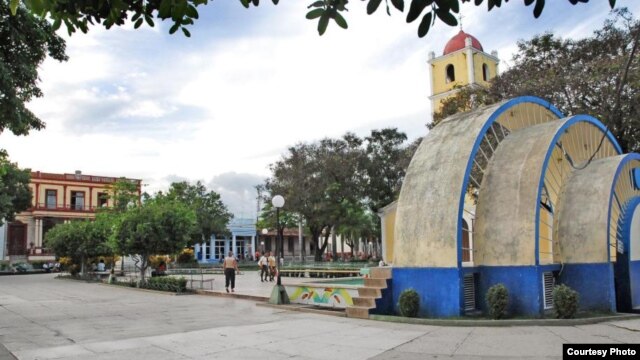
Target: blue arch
626 220
629 205
465 183
567 124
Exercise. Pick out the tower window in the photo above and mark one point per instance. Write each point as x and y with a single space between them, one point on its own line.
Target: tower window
451 74
485 72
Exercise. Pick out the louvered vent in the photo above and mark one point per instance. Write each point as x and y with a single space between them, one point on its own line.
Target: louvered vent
469 293
548 282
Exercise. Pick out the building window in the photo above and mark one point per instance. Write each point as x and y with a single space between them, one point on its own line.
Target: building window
51 199
485 72
77 200
290 244
451 73
103 199
219 249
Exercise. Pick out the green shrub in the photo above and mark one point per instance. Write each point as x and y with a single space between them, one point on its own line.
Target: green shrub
565 302
166 283
497 301
4 265
409 303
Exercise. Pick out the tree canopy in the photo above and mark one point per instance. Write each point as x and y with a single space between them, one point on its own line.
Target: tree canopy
598 75
81 239
157 226
337 184
25 41
182 13
212 215
15 195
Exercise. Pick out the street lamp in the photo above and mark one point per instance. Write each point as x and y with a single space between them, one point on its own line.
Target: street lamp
264 234
278 202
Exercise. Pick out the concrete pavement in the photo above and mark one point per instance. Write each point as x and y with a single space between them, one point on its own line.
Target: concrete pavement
44 318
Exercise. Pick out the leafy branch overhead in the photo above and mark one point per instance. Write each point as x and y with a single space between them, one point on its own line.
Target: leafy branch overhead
80 14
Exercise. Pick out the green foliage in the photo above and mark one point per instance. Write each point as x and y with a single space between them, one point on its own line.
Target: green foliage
166 283
212 215
4 265
409 303
183 12
159 226
25 41
81 240
565 302
339 184
15 195
497 301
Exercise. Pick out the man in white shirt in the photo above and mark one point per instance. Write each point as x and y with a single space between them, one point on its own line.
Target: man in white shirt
262 263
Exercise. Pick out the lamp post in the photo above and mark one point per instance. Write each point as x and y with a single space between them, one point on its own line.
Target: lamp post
279 293
264 234
278 202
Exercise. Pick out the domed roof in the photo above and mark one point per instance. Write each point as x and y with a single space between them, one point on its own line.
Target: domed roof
457 42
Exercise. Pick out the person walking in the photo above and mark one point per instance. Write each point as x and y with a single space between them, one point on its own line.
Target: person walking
230 266
272 266
264 270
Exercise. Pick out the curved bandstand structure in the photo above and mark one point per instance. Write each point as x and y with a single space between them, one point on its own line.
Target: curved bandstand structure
516 193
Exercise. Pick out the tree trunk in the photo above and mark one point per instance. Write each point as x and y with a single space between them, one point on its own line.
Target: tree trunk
334 243
342 246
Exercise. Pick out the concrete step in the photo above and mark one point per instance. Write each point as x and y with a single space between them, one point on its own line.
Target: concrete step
376 283
370 292
380 272
368 302
358 312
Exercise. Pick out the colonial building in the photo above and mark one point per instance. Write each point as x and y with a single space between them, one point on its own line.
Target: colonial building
57 198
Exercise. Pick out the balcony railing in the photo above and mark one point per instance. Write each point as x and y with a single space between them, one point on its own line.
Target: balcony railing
66 207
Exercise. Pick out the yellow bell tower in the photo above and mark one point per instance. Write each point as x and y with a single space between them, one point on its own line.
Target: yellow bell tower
463 63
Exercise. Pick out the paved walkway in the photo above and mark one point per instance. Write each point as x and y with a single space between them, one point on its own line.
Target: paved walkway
44 318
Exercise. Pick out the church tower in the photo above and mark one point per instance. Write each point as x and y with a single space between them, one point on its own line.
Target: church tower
463 63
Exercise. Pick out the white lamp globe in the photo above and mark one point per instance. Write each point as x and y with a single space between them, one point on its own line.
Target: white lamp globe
277 201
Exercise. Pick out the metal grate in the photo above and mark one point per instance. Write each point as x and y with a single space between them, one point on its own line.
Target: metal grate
469 293
547 283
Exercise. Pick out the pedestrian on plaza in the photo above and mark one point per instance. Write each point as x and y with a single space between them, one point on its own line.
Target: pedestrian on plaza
101 265
230 266
264 270
272 266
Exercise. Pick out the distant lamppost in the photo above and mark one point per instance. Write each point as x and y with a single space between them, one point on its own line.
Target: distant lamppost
264 234
278 202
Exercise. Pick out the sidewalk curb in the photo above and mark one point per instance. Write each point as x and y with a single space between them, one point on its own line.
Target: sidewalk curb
304 309
504 323
231 295
5 354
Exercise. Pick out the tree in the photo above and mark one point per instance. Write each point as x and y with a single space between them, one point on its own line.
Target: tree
15 194
316 179
386 162
25 41
81 240
79 15
599 75
124 194
212 215
158 226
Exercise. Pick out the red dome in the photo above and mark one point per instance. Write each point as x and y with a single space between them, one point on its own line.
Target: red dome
457 42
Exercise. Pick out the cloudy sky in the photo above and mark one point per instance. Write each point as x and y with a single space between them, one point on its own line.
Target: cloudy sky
222 105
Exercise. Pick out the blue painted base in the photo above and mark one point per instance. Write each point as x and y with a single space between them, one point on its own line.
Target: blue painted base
594 283
524 284
384 305
634 282
439 290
